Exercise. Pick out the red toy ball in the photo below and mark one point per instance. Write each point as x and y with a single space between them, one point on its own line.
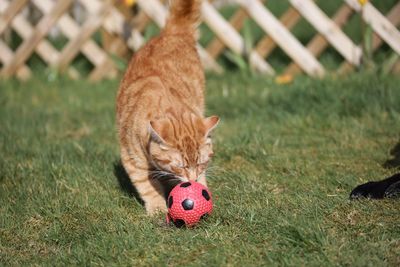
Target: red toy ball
188 203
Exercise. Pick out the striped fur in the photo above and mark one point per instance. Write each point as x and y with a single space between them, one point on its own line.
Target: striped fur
163 134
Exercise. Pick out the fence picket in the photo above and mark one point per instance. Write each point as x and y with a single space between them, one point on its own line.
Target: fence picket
318 44
283 37
394 18
267 44
231 38
12 10
7 55
379 23
27 47
329 30
86 31
70 29
44 49
216 46
123 29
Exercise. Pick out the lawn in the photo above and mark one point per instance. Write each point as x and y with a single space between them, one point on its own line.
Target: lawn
286 158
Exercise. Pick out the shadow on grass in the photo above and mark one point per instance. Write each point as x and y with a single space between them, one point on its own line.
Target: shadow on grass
125 183
127 186
395 161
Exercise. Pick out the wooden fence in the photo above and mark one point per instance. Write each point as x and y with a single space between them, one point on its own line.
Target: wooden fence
120 30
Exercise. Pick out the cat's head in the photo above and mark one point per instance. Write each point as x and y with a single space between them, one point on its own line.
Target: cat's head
182 146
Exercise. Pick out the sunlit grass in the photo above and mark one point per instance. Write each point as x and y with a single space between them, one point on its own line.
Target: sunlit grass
286 160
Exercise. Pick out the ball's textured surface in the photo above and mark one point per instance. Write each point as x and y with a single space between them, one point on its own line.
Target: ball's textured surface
188 203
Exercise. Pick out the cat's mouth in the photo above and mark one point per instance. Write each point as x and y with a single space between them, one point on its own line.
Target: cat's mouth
181 178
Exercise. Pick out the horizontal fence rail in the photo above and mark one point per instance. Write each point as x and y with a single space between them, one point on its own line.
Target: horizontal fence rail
105 33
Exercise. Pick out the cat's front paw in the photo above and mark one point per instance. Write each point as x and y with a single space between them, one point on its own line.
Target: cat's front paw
155 208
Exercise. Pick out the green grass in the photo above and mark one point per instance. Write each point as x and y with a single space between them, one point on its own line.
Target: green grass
286 159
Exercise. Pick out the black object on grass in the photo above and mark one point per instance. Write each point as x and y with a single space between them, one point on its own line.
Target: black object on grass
387 188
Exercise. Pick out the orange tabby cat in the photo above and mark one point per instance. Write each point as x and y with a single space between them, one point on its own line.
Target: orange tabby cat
160 105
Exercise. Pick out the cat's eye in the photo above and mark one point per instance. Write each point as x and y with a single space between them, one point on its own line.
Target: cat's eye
202 164
165 161
163 147
180 166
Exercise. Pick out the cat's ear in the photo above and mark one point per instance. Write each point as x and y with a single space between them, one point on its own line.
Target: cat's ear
159 130
210 123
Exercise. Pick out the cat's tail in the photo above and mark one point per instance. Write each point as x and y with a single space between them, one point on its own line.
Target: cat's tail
184 15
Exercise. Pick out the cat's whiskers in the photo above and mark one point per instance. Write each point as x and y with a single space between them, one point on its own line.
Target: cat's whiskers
163 175
213 170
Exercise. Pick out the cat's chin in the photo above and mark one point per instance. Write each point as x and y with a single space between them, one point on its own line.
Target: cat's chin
179 179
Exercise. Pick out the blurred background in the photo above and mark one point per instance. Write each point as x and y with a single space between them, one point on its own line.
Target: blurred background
95 39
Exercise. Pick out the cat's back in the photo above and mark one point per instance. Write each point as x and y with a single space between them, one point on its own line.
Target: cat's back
172 60
171 57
